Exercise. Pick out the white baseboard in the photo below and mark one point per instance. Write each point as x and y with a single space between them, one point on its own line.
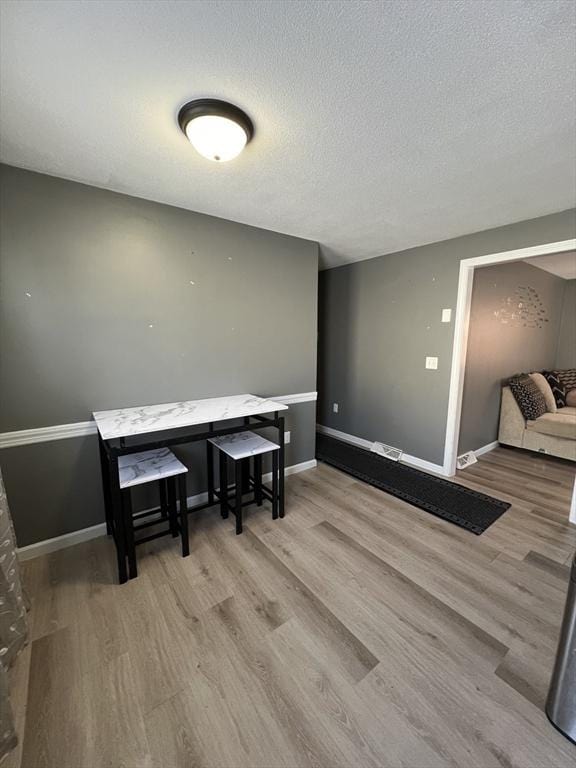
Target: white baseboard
413 461
359 441
426 466
295 468
60 542
85 534
486 448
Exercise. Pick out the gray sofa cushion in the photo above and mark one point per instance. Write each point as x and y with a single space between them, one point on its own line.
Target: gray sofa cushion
561 424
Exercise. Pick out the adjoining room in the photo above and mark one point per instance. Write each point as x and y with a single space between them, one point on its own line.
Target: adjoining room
522 322
287 384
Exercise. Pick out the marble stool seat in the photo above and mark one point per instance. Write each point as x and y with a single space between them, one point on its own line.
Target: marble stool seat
243 448
158 465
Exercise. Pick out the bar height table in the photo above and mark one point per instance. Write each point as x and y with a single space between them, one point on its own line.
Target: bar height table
139 425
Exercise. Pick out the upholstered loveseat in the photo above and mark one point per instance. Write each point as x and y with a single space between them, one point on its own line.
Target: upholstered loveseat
554 431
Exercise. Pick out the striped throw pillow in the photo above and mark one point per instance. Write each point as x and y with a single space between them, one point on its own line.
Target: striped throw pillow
567 378
557 387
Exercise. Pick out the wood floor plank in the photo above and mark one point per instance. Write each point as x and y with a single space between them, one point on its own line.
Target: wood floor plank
161 656
19 676
231 713
81 716
362 735
559 572
346 650
502 609
523 463
527 670
358 631
313 742
431 618
477 722
524 485
375 610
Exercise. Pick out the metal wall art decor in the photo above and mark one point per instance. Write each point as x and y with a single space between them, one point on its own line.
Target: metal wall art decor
524 309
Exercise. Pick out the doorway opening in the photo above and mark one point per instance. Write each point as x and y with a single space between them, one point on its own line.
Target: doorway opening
462 335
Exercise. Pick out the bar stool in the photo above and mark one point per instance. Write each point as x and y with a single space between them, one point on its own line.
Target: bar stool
241 447
158 465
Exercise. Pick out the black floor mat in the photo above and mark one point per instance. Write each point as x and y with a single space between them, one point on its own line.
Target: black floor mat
469 509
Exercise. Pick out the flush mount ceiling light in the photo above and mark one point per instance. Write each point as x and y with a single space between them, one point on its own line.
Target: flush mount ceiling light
216 129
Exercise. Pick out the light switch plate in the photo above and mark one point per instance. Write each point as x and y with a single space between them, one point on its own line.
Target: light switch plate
286 438
335 407
432 363
446 315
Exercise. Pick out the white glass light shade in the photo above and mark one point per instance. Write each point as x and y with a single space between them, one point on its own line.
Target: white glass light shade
215 137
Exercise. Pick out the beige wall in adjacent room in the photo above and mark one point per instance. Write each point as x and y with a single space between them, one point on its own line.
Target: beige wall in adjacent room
566 352
505 339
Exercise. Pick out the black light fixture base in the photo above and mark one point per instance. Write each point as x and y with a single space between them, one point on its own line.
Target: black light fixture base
200 107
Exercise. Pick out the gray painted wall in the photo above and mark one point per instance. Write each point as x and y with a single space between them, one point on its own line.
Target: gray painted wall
100 268
500 345
566 354
379 319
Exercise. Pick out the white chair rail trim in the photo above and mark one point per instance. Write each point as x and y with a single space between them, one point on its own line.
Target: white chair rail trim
83 428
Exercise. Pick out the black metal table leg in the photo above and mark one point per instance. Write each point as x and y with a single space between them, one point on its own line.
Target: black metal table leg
118 518
238 496
163 498
245 474
223 484
245 465
105 485
129 530
184 515
172 512
281 465
210 467
275 478
258 479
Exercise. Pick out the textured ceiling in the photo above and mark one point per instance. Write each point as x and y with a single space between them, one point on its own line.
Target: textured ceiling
559 264
379 126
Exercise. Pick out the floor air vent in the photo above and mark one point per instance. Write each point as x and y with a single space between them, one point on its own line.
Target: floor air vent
387 451
466 460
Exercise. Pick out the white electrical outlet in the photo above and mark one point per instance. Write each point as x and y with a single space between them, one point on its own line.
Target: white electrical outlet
335 407
432 363
446 315
286 438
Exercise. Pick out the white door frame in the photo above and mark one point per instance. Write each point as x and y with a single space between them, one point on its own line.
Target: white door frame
461 326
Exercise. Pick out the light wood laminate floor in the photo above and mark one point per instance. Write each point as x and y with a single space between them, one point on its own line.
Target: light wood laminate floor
358 631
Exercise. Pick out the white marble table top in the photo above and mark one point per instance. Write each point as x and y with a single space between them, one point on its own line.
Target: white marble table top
126 422
243 444
147 466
